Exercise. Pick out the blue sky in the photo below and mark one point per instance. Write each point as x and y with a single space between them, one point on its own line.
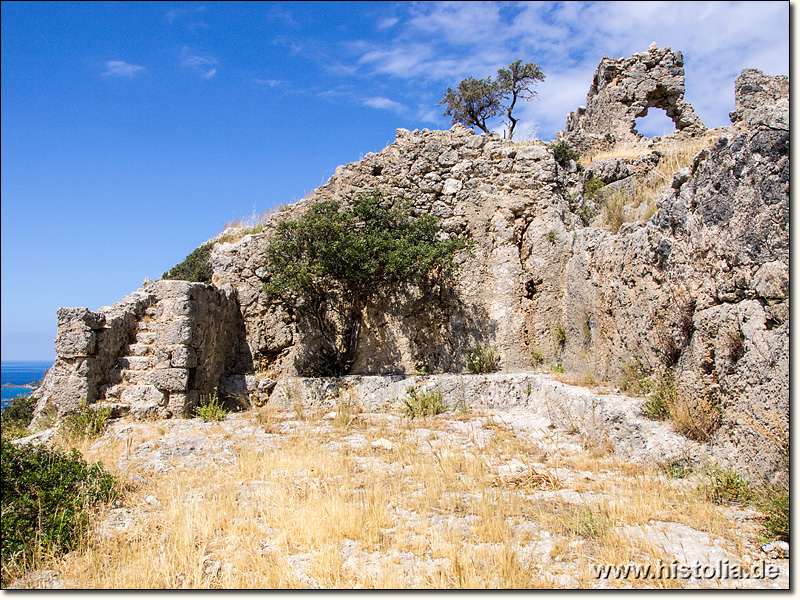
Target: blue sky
131 132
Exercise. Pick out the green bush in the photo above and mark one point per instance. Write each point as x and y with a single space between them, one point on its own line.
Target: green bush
563 153
725 486
210 408
423 403
592 187
16 417
483 359
195 267
336 259
773 500
47 498
87 423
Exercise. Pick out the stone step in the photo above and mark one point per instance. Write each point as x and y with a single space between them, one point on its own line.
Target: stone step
137 376
146 337
137 363
139 349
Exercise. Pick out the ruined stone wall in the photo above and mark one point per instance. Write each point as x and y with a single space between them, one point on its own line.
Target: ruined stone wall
624 89
754 89
700 288
153 353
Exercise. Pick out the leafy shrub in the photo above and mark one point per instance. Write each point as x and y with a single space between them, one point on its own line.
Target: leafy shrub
483 359
563 153
195 267
87 423
552 235
592 187
16 417
210 408
20 409
47 496
423 403
332 262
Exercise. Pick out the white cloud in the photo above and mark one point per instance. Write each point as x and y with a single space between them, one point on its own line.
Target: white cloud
204 65
266 83
180 13
383 103
119 68
444 42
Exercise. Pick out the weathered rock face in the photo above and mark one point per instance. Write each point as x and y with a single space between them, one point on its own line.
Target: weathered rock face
479 186
754 89
153 353
623 90
700 289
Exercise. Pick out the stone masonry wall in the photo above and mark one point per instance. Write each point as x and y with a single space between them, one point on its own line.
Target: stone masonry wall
625 89
153 353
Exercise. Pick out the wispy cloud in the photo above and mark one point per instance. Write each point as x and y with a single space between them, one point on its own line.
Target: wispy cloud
383 104
266 83
182 14
119 68
415 50
205 66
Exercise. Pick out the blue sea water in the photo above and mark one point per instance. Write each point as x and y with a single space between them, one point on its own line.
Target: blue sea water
19 373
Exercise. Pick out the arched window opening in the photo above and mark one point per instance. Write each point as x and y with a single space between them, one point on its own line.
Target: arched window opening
655 123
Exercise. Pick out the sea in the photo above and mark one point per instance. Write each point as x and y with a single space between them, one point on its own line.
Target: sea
18 372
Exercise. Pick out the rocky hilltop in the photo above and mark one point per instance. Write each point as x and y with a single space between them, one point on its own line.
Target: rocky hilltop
696 286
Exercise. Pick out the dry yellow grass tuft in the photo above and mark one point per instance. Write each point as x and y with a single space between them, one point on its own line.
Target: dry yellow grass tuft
377 501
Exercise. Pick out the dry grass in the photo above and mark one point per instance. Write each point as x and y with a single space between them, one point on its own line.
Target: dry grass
254 223
414 503
648 186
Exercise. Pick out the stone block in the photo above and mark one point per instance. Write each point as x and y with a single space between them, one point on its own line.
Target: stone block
75 339
183 357
170 380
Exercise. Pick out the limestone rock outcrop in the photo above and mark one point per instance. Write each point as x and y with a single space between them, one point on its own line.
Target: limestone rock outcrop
698 289
623 90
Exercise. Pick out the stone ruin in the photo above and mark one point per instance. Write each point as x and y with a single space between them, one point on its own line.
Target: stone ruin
754 89
703 283
151 354
623 90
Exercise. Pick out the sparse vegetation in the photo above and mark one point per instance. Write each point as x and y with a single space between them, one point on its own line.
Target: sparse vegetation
559 337
210 408
195 267
614 211
592 187
423 402
552 235
483 359
86 423
537 358
563 153
48 497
